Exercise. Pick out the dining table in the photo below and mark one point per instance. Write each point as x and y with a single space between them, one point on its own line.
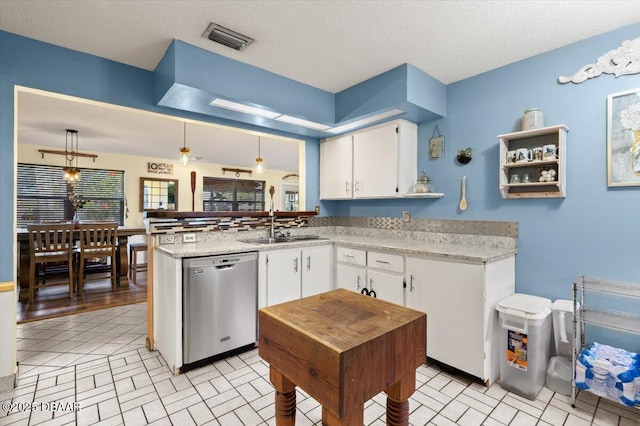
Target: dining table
122 261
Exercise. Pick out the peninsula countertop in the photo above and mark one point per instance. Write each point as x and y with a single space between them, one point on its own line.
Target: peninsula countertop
464 252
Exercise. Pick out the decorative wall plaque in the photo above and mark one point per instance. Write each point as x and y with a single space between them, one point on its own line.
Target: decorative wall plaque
622 61
160 168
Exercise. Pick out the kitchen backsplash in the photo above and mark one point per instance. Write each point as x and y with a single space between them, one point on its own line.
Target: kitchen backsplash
471 227
216 224
476 233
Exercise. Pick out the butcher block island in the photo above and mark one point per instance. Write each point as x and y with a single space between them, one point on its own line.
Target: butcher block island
342 348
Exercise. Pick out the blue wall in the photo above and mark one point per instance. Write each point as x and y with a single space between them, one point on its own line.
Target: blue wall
595 229
30 63
592 231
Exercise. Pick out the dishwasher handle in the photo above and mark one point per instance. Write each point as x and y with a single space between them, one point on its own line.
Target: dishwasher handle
223 267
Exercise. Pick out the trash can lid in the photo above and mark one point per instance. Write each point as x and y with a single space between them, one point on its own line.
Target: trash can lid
563 305
526 303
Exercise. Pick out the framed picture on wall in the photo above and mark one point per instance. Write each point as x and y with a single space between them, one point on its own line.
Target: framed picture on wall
623 138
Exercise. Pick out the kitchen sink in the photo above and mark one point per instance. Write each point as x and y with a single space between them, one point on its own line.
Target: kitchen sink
266 240
304 237
287 239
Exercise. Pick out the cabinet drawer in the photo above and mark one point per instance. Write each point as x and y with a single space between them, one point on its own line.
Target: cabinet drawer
348 255
385 261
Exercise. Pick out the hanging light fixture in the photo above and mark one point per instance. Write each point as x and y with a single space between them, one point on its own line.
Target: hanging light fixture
71 172
185 152
259 160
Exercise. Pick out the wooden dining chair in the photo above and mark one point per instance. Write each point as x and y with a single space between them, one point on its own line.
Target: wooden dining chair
97 240
50 243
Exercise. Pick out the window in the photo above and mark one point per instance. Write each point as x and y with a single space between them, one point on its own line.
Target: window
44 195
220 194
158 194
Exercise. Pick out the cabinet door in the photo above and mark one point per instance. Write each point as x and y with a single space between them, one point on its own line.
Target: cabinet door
336 168
452 296
316 270
283 276
387 286
351 277
417 294
375 162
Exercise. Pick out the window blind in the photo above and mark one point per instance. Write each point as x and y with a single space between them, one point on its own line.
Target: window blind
43 195
221 194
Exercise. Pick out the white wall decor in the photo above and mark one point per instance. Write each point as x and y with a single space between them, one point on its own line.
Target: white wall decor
624 60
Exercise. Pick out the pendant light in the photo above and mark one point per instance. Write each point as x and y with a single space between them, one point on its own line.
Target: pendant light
71 172
259 160
185 152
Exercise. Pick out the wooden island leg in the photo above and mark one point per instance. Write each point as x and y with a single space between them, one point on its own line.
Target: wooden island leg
398 400
355 417
285 398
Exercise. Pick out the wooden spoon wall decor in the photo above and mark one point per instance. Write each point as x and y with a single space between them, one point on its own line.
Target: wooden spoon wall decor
463 200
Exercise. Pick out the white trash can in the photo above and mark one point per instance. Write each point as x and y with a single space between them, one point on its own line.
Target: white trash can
559 375
562 313
525 344
559 372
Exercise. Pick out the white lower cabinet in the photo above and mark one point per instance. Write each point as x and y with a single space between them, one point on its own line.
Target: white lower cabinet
283 276
351 269
386 286
459 299
385 276
351 277
316 270
380 274
289 274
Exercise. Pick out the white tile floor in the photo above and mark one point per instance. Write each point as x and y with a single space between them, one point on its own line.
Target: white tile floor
95 367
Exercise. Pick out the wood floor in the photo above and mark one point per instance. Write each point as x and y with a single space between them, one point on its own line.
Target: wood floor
55 302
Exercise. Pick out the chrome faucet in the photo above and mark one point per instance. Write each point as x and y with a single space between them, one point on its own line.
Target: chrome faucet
272 229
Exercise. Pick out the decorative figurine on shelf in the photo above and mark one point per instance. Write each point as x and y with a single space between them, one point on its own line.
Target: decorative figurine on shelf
423 184
547 176
464 155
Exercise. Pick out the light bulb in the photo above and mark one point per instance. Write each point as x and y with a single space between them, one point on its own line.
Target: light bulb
259 165
184 156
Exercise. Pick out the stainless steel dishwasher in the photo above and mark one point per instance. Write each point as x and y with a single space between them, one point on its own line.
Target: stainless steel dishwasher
220 304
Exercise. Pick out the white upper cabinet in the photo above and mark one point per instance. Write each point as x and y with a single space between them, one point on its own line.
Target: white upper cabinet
336 164
377 162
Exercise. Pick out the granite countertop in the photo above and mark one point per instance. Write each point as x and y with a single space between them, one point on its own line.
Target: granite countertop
401 246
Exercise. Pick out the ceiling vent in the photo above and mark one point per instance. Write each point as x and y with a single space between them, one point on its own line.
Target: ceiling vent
225 36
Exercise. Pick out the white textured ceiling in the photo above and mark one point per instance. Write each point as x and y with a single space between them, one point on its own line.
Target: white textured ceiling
327 44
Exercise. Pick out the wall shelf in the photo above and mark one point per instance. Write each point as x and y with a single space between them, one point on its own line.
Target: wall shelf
533 163
530 139
422 195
